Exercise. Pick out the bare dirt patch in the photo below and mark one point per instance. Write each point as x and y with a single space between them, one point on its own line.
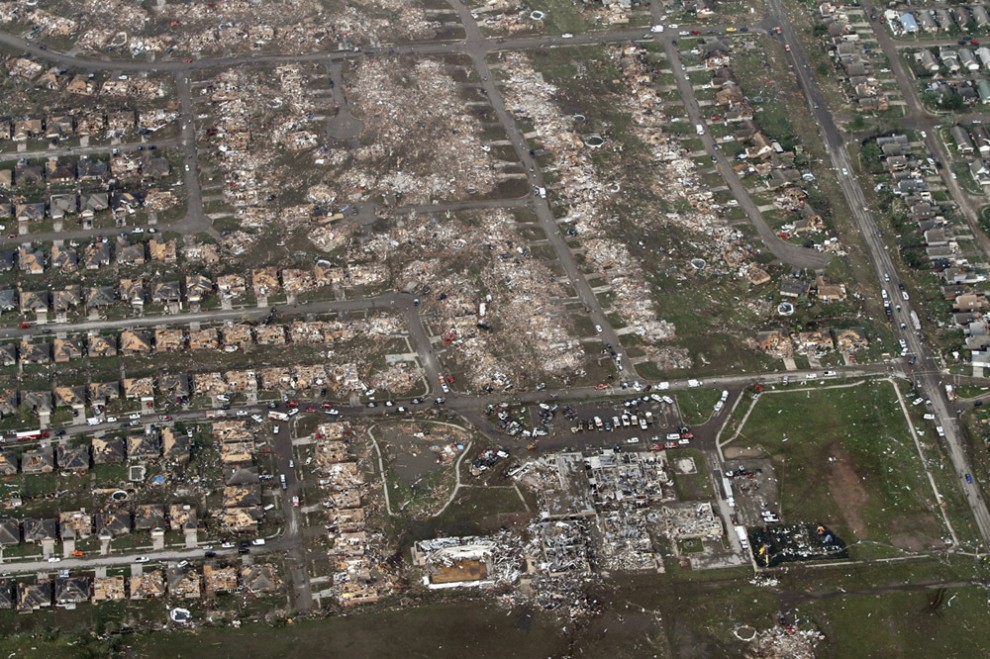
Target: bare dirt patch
847 490
736 452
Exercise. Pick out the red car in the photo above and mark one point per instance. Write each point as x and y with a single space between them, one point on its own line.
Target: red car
187 60
449 379
310 409
601 386
695 33
327 406
293 403
24 325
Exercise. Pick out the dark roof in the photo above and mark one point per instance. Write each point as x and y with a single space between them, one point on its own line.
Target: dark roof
35 530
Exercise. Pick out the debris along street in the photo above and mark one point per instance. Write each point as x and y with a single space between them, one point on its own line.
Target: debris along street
496 320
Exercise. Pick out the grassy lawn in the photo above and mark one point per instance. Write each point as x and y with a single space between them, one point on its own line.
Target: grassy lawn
697 405
696 486
902 624
845 458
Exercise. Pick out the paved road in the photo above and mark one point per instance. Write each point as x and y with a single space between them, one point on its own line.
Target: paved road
926 371
61 151
474 49
922 120
791 254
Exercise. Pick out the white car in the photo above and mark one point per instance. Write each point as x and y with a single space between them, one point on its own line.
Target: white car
54 559
567 35
111 419
134 417
241 413
142 559
227 545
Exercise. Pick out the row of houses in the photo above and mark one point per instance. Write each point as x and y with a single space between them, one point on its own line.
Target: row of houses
179 387
124 165
181 583
107 524
781 344
846 49
952 59
230 337
342 486
64 125
960 280
940 19
174 447
974 142
33 259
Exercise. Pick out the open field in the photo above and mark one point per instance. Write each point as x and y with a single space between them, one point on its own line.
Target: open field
846 459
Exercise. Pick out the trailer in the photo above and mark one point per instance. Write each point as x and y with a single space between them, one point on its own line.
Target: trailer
915 321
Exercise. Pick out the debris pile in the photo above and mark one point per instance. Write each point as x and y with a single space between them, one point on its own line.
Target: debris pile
471 271
445 160
582 193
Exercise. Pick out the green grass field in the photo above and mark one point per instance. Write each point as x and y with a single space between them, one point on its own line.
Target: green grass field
845 458
697 405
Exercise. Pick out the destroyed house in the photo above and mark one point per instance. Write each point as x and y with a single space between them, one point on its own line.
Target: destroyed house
98 345
108 451
175 445
31 597
109 589
182 516
134 343
174 386
75 524
63 260
143 446
34 301
96 255
70 396
147 585
149 516
35 353
66 350
169 340
198 287
100 393
184 584
219 579
260 578
135 388
38 461
8 463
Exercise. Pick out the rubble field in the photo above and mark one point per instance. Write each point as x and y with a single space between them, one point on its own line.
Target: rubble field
230 27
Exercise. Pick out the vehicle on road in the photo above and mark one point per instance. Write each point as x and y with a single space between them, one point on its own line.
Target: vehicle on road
227 545
142 559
